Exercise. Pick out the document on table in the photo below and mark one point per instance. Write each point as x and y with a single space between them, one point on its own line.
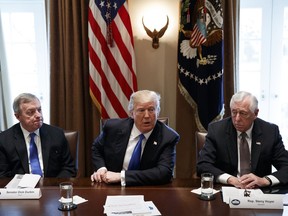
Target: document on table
129 205
285 205
24 181
228 192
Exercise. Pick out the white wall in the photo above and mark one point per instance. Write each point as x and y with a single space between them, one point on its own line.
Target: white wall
157 68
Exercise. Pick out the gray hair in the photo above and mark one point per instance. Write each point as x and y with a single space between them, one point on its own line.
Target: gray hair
242 95
22 98
144 96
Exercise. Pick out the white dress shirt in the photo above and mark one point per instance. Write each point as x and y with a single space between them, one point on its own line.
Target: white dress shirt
38 144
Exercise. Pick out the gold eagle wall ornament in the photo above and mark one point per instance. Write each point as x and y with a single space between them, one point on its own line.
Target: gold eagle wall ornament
155 35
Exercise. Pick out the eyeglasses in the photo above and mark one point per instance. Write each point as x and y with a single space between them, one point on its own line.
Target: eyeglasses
141 111
242 114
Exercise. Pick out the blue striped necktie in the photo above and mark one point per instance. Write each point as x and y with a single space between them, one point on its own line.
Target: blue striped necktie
134 163
34 160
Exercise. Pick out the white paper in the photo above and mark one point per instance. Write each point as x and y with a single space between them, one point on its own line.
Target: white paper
285 200
228 192
129 205
29 181
198 191
153 208
285 205
24 181
15 181
285 211
76 200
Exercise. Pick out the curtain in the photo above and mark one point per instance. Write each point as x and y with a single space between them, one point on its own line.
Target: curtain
6 114
71 105
231 45
186 149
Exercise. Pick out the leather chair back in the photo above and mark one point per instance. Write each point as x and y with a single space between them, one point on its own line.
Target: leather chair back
199 143
73 141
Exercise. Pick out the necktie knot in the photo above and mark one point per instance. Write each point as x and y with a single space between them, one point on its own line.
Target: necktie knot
243 135
141 137
32 135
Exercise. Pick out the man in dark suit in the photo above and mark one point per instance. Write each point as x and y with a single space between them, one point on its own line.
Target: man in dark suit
113 149
52 149
221 154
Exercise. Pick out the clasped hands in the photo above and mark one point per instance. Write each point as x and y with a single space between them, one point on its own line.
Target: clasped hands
248 181
103 175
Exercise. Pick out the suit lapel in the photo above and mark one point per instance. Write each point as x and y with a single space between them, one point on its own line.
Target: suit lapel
45 140
20 145
232 146
152 144
255 145
121 138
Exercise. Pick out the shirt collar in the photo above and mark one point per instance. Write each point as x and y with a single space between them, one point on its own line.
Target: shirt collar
248 132
135 132
27 133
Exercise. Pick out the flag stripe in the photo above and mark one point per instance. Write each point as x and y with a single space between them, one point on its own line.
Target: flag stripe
112 68
94 91
197 38
108 55
106 86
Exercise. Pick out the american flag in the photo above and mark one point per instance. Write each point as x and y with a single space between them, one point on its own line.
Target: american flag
111 57
197 36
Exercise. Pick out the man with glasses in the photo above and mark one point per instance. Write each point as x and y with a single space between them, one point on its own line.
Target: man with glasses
139 150
240 150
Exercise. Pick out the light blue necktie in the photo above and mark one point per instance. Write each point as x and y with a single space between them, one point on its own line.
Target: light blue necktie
134 163
34 160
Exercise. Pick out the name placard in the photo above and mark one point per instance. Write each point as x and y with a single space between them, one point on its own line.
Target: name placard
20 193
265 201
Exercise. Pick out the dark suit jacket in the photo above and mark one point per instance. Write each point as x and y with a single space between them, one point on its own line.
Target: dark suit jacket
158 158
219 154
57 159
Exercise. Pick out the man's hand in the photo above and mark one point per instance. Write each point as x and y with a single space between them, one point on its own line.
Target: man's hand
252 181
112 177
235 182
99 175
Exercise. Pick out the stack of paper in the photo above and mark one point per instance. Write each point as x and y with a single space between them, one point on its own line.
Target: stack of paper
129 205
285 205
24 181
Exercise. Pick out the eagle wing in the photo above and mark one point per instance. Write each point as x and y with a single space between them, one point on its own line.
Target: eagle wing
162 31
149 33
213 38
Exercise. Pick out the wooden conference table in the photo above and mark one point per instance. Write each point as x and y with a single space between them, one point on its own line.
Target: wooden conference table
173 199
